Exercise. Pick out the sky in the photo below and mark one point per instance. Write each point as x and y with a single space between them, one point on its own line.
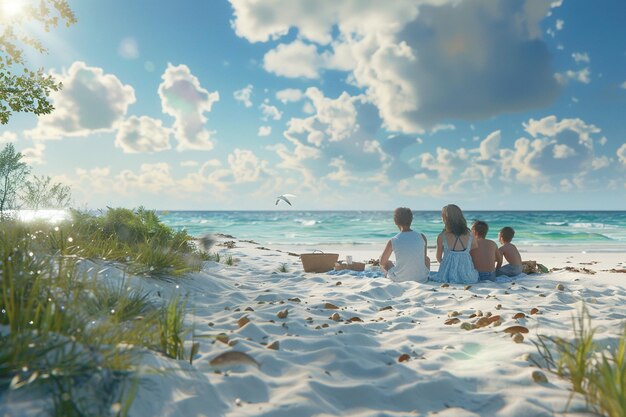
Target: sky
346 104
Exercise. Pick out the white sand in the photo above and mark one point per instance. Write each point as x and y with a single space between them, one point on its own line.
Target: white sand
329 368
352 369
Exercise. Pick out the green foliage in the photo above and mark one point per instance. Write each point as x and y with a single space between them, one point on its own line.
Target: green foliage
21 88
598 374
137 238
13 172
284 267
171 328
230 261
41 193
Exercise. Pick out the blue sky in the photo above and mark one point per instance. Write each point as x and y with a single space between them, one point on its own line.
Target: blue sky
355 104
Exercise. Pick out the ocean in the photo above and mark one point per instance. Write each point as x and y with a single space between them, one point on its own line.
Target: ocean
595 230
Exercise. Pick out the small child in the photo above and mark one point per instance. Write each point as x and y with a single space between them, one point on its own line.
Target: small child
412 263
486 255
510 253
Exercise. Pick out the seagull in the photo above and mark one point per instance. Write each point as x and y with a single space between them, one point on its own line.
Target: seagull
284 198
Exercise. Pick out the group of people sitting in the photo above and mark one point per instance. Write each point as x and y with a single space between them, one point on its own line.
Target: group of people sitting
465 256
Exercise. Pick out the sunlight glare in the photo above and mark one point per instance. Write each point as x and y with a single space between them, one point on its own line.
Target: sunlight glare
12 8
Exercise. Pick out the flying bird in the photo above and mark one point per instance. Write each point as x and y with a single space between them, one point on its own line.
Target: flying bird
284 198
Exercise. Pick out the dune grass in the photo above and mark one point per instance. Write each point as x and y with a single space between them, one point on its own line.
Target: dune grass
67 333
596 372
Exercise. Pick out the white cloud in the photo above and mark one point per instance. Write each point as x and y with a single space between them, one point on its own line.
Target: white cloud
244 95
623 85
270 112
550 126
189 164
561 151
442 127
7 137
152 178
289 95
621 154
264 131
90 101
341 174
581 57
582 76
245 165
559 24
293 60
334 120
183 98
415 81
603 140
489 147
142 134
128 48
600 162
35 154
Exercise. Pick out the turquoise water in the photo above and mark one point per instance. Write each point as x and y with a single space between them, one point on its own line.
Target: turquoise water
316 228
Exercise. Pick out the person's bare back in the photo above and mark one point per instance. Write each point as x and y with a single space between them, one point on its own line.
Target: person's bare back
485 255
510 253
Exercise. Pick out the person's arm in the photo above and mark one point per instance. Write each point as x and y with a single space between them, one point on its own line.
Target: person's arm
474 244
498 257
440 247
426 258
384 258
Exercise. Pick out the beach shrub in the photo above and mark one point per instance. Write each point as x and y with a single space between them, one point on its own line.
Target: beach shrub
596 372
171 328
136 238
46 340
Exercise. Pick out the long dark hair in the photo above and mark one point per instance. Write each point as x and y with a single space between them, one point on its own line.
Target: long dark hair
454 220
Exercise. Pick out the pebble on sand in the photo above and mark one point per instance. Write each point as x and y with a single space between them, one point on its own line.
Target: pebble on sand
560 287
282 314
515 329
404 357
518 338
519 316
243 321
330 306
274 345
539 377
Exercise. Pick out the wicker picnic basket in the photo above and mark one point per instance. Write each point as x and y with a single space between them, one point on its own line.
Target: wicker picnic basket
318 261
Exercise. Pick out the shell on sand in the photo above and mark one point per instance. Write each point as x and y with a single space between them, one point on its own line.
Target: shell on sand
385 308
335 317
243 321
282 314
353 319
454 320
330 306
233 358
516 329
404 357
275 345
519 316
534 311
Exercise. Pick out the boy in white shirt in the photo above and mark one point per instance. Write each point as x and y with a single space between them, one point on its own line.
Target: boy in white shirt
409 247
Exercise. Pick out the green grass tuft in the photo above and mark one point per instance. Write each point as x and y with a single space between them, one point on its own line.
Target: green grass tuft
598 374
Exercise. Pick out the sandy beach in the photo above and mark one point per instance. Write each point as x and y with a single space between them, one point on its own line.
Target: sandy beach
384 351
